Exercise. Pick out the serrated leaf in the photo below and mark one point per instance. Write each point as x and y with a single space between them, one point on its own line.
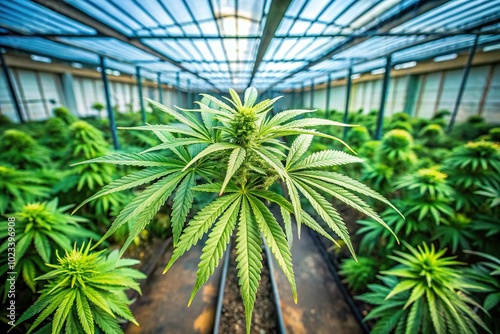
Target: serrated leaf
62 312
215 246
200 225
236 159
327 213
298 148
84 312
275 239
183 200
135 159
42 246
250 97
140 205
326 158
248 259
106 322
130 181
209 150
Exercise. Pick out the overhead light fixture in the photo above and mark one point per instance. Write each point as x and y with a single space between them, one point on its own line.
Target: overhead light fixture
355 76
76 65
445 57
41 59
409 64
378 71
491 47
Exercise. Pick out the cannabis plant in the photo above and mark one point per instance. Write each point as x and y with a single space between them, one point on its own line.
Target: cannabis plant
427 194
41 228
18 187
396 151
358 274
472 166
425 293
357 136
87 142
85 291
22 151
237 150
64 114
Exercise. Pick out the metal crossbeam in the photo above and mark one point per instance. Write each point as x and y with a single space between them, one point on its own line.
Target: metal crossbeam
66 9
382 27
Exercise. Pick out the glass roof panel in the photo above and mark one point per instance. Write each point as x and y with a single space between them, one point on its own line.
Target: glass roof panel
219 39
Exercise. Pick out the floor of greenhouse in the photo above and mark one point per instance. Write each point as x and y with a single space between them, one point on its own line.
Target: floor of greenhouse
321 308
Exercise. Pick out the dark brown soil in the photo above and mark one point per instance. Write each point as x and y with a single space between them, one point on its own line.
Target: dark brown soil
264 320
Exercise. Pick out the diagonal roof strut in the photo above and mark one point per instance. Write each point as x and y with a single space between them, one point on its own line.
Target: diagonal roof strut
274 17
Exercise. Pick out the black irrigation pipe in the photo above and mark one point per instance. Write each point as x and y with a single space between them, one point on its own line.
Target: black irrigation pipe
343 290
274 286
218 309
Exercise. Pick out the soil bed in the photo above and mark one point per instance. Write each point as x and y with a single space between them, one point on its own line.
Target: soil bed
264 320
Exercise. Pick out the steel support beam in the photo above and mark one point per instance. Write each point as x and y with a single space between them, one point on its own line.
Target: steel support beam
465 75
383 98
179 95
327 104
303 97
284 36
12 91
276 12
65 8
109 107
160 88
139 90
311 92
347 100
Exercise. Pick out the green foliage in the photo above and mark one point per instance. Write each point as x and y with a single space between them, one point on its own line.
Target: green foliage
237 151
56 136
369 149
357 136
5 120
455 233
423 294
400 117
358 274
396 151
18 187
484 275
431 131
494 135
84 292
87 142
41 228
21 150
64 114
378 176
98 106
401 125
472 166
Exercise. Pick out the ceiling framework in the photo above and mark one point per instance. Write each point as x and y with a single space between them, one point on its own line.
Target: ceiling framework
212 45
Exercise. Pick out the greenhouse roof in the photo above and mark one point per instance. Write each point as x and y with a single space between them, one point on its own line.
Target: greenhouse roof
217 44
